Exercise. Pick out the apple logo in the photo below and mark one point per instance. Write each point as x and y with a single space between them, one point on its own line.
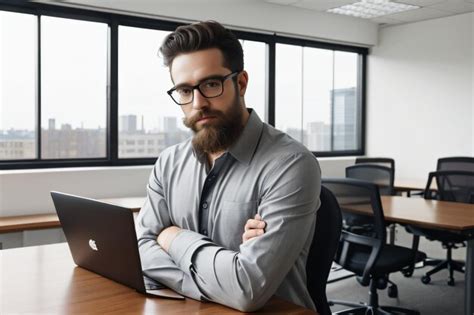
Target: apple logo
93 245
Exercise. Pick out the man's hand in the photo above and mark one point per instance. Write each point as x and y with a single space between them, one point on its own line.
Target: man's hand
167 236
253 228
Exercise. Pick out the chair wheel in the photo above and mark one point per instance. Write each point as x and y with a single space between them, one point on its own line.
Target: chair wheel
451 282
408 273
426 279
392 291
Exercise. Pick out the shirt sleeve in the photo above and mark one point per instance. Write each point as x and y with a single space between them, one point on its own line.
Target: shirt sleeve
246 279
156 263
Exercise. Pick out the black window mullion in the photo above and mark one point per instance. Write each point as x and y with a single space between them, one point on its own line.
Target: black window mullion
38 90
332 99
271 83
112 94
362 90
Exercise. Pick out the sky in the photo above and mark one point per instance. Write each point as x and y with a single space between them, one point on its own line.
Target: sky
74 74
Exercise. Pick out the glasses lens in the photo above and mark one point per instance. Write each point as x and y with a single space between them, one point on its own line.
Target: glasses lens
182 95
211 87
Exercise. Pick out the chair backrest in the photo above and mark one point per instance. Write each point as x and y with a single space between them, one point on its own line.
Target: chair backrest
457 186
323 249
364 198
382 176
388 162
456 163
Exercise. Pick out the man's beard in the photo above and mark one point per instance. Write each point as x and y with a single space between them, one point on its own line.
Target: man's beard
220 133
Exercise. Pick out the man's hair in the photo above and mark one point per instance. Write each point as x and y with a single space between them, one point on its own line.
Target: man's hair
200 36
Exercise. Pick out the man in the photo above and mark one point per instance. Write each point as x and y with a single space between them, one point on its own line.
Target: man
196 232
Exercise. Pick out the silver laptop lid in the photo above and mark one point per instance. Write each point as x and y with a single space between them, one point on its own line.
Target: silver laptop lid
101 238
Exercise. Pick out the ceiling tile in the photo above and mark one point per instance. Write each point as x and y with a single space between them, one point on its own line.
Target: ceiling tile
418 15
322 5
385 20
454 6
420 3
282 2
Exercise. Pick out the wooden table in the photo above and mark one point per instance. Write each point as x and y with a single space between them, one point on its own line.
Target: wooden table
51 220
44 279
443 215
409 185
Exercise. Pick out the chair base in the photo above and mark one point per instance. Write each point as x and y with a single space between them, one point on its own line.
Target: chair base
449 264
364 309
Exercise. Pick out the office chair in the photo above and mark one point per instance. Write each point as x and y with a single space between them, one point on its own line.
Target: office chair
323 249
387 162
383 177
368 255
455 164
455 186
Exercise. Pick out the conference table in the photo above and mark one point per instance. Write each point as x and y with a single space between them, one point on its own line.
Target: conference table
45 280
443 215
406 185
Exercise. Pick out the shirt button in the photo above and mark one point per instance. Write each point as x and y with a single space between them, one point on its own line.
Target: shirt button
204 205
204 232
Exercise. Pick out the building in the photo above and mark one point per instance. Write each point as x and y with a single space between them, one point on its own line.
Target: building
344 119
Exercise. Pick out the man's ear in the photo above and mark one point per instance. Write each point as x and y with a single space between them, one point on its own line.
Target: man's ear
242 82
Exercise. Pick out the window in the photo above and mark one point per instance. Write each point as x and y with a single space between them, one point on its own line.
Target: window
85 88
255 56
73 88
18 37
145 110
317 97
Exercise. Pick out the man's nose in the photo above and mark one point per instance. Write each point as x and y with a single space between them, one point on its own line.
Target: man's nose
199 101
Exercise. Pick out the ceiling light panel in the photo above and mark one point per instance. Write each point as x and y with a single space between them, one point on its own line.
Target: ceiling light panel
368 9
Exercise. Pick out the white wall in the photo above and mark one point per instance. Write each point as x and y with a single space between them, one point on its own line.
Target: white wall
420 94
251 14
27 191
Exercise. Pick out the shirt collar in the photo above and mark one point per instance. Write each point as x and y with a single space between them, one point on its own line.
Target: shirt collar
244 149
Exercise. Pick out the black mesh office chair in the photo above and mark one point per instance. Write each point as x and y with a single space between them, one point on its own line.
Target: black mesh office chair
368 255
383 177
456 186
323 249
455 164
382 161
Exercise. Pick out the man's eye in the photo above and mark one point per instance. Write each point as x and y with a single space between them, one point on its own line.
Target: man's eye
212 84
184 91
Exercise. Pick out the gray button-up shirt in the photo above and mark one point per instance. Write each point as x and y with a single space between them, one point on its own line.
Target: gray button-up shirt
265 172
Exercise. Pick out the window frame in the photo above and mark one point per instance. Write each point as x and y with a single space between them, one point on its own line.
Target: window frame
113 21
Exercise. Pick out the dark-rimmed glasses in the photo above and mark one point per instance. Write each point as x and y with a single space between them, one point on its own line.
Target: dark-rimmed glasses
209 88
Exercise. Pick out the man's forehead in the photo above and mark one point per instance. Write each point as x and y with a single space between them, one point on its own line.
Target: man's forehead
196 65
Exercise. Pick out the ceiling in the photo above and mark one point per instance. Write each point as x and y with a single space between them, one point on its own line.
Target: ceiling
430 9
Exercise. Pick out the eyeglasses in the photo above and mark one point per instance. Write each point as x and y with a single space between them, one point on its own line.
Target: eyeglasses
209 88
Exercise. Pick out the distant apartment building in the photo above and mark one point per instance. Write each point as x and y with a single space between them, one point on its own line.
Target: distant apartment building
17 145
318 136
135 143
345 119
67 142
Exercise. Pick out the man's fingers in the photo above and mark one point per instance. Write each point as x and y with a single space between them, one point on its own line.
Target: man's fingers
251 234
254 224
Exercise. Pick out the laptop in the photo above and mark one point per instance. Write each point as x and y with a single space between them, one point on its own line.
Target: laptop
102 239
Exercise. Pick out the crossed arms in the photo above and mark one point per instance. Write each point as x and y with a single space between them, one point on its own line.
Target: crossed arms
191 264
